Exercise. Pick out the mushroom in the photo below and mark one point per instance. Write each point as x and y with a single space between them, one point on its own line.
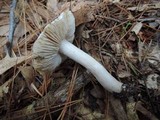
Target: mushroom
55 42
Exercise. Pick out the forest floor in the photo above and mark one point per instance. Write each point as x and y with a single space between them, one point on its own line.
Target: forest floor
124 36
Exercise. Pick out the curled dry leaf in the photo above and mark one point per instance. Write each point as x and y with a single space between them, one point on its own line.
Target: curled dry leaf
137 28
86 33
29 75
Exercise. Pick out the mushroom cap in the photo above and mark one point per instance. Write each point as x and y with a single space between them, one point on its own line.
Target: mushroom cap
46 47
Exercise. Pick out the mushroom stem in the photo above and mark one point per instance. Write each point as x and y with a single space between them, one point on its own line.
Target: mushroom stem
101 74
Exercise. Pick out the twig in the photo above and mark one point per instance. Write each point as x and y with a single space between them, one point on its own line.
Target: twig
54 97
118 109
70 94
12 26
139 107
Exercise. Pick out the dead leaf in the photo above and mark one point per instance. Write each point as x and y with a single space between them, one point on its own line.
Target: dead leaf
27 72
131 112
44 13
84 14
82 10
152 81
124 74
130 55
137 28
4 88
4 30
153 24
85 33
52 5
19 32
3 42
88 114
7 62
29 75
154 57
35 19
145 7
114 1
35 88
111 1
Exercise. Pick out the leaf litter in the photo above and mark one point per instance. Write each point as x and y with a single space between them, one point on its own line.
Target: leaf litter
122 35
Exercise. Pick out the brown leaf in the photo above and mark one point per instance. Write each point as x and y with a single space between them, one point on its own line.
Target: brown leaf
7 62
82 10
52 5
28 73
4 30
3 42
124 74
83 14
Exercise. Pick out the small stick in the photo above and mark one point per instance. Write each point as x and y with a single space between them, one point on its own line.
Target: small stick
12 26
139 107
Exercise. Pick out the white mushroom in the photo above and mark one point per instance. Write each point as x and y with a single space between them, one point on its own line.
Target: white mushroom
56 41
